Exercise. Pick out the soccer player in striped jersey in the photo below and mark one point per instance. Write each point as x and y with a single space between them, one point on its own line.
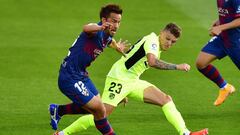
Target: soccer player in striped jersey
225 42
73 80
123 80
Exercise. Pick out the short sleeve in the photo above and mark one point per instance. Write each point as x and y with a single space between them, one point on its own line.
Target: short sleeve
152 44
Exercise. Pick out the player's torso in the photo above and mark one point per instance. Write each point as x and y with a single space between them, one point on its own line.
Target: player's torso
84 51
229 10
135 62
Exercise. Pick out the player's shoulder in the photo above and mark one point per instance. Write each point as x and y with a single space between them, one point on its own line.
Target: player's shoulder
151 36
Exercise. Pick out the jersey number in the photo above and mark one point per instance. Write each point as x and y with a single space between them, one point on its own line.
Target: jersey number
82 88
115 87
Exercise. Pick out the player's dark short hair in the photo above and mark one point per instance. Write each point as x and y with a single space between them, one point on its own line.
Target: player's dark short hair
174 29
108 9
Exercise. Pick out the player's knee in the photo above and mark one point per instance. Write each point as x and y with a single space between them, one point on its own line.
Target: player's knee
200 64
168 98
98 109
99 113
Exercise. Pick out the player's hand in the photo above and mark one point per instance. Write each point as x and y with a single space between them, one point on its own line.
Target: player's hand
106 25
122 46
183 67
216 23
214 31
124 101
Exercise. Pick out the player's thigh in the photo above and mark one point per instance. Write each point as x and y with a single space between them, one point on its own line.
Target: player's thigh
96 107
114 91
137 89
90 86
211 51
79 91
204 59
153 95
234 54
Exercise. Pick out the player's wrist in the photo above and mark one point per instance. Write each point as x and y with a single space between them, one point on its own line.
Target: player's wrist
177 67
102 27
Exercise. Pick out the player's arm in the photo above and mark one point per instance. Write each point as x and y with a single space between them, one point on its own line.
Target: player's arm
120 46
216 30
92 28
216 23
160 64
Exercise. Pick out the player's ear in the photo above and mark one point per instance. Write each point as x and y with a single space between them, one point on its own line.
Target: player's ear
160 34
103 19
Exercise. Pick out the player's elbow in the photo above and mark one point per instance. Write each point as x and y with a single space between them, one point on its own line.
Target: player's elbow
151 63
166 99
151 59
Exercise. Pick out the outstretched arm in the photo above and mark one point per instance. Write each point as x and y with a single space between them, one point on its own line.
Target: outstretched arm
120 46
160 64
93 27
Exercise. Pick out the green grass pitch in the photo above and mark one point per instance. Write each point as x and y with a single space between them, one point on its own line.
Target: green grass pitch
35 36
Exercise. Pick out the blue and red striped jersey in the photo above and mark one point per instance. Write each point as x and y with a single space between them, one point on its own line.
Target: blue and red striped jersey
84 51
228 11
